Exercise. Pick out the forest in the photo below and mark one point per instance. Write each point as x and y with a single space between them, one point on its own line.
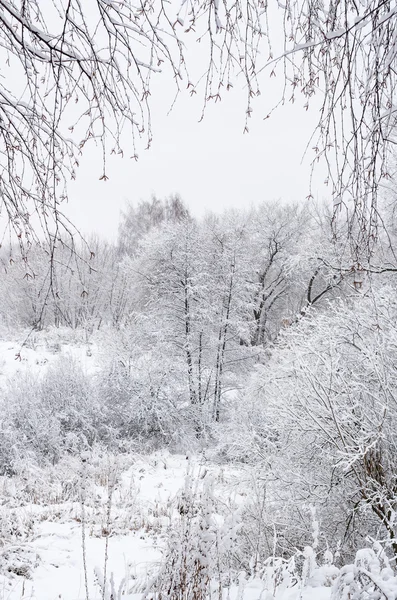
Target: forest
246 338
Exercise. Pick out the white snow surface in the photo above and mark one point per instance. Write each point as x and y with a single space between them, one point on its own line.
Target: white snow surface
48 564
44 560
38 354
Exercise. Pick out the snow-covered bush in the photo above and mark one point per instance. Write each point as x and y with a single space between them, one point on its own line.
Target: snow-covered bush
369 578
190 561
144 401
321 417
44 417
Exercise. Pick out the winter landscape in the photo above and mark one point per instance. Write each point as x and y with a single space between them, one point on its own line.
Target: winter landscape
198 404
214 415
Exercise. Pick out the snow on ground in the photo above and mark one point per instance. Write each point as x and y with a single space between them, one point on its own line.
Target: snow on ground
41 350
48 564
59 572
52 557
41 533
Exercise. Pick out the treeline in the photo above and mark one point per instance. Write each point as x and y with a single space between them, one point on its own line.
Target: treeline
198 301
257 333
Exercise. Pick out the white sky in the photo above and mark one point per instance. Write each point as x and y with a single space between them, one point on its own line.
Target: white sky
211 164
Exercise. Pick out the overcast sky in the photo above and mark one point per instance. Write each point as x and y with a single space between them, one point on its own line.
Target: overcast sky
211 164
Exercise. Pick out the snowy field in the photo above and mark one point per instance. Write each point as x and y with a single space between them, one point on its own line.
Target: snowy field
48 563
40 352
102 526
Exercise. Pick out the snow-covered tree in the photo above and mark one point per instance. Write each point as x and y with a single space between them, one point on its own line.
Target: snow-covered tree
137 221
326 419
